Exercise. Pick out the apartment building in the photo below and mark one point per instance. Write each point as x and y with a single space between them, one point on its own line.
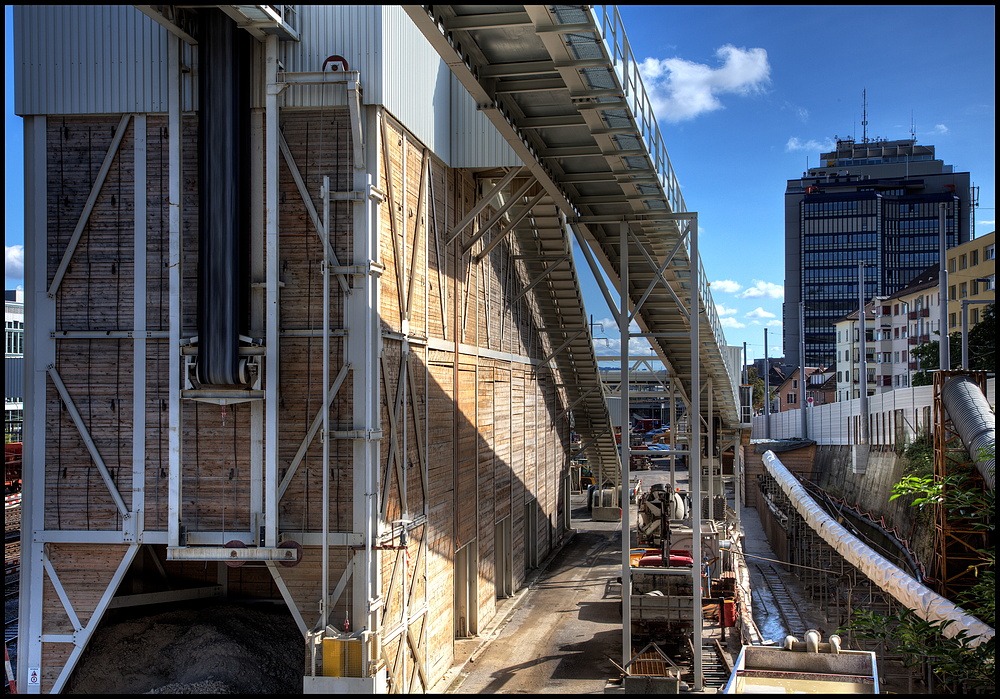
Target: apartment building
971 281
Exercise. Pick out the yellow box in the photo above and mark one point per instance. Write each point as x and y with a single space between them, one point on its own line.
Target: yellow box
342 657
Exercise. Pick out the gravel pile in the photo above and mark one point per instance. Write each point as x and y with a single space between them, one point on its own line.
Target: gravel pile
217 648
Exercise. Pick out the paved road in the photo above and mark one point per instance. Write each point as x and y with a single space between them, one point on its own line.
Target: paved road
561 636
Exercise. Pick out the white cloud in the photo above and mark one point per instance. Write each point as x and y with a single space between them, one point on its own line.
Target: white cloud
940 128
811 146
15 261
731 323
681 90
761 289
760 313
726 286
607 339
986 223
612 346
724 311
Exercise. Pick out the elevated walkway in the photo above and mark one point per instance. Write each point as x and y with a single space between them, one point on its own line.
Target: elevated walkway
562 87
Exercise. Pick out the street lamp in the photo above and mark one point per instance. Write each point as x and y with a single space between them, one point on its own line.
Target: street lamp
944 351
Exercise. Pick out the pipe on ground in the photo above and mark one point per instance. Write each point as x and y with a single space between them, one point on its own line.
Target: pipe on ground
974 421
926 603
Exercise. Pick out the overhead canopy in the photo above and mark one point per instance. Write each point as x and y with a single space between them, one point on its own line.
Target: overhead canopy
561 86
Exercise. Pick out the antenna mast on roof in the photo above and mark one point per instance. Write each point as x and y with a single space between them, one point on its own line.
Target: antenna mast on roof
864 116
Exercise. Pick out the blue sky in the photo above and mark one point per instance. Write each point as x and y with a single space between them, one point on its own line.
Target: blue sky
747 97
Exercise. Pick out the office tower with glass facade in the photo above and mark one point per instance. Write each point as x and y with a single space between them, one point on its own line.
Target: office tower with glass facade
873 206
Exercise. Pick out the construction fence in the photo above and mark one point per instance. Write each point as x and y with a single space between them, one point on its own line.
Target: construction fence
895 418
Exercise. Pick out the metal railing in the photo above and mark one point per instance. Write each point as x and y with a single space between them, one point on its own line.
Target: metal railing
626 68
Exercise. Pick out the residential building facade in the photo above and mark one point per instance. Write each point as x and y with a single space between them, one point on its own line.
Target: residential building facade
894 325
914 315
848 349
871 210
818 389
971 281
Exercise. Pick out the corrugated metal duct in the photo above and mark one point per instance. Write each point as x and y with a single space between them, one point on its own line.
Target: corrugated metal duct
926 603
224 188
974 421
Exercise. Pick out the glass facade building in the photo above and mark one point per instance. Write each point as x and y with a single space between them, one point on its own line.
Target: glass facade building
870 209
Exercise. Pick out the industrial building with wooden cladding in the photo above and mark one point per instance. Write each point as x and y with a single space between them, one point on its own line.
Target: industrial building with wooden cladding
235 216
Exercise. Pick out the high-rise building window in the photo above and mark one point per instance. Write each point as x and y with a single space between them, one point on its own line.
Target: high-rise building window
885 217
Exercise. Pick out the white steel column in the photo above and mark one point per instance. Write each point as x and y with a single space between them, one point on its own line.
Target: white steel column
271 377
325 585
39 353
258 326
175 200
694 454
738 482
944 344
674 428
137 501
363 349
767 390
803 421
710 450
626 455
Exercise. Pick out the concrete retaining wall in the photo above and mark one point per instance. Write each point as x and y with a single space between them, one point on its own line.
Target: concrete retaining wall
831 469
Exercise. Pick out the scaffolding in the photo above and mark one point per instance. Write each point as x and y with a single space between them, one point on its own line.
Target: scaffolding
958 541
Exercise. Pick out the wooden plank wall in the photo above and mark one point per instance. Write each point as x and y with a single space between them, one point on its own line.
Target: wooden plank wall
468 436
320 146
487 455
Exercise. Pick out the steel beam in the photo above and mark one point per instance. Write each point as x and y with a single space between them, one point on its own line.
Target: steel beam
272 309
175 278
139 322
83 633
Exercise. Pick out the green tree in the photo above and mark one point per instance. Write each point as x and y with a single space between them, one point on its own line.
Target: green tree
927 355
983 342
982 350
758 387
